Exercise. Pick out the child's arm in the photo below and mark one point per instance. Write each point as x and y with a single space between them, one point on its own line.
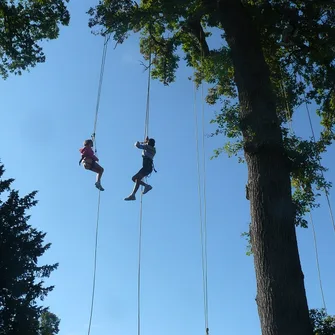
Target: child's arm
140 145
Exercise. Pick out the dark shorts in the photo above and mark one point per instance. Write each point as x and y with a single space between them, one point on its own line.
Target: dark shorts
147 167
89 164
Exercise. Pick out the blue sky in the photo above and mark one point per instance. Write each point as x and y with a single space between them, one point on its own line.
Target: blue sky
49 112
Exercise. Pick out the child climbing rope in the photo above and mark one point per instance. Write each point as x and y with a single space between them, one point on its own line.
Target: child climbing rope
288 34
291 15
89 161
148 154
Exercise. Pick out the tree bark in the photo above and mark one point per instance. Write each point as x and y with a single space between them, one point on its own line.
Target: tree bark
281 296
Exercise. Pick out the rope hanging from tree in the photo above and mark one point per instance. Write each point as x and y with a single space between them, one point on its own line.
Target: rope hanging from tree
326 192
146 133
289 120
202 210
319 159
202 203
102 70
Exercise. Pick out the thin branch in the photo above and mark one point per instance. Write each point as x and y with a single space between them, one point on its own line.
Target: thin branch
146 66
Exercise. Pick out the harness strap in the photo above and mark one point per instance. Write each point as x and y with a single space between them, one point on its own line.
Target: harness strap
152 162
83 158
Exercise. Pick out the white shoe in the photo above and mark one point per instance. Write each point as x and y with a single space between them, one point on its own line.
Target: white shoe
131 197
147 188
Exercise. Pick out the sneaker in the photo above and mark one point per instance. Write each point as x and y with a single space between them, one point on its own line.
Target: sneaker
147 189
99 187
131 197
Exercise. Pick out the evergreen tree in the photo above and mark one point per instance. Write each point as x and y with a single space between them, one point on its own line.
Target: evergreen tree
22 278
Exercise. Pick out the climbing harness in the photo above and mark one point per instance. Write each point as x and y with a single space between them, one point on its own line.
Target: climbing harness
88 163
84 158
102 69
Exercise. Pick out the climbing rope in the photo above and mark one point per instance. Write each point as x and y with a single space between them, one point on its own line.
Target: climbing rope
102 69
287 106
328 202
95 265
204 227
317 261
310 213
319 159
202 207
146 133
147 110
139 272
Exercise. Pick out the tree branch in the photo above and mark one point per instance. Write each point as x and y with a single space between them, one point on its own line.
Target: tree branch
194 27
163 45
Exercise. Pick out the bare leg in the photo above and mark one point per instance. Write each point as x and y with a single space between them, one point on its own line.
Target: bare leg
137 179
138 183
99 175
99 171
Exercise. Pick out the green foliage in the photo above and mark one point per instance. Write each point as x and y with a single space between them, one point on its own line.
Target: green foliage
49 324
229 125
307 175
23 24
323 324
22 279
300 74
248 239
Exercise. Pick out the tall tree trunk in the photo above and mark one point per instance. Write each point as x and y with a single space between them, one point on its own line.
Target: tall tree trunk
281 296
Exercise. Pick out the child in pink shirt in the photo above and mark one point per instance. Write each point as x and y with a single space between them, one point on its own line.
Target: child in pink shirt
89 161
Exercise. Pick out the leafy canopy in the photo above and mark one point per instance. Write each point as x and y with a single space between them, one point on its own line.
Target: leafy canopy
323 324
303 73
23 24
